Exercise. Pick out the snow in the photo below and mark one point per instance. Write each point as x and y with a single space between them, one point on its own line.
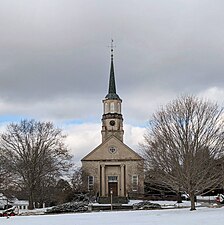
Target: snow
203 215
208 198
167 204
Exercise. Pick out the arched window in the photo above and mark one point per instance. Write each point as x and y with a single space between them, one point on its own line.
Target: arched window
119 107
112 107
106 108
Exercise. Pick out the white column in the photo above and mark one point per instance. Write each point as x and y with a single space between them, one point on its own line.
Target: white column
122 180
103 179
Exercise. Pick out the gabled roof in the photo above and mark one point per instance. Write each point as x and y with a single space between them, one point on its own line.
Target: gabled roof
102 153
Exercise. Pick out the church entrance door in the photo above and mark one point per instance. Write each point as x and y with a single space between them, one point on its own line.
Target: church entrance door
112 185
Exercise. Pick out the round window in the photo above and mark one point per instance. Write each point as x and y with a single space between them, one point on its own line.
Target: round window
112 149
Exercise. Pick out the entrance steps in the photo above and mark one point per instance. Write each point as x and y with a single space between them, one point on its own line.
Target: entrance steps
115 200
107 207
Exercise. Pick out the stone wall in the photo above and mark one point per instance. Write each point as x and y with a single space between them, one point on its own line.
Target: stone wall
94 168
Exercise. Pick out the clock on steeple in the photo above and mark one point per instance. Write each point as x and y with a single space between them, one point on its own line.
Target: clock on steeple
112 122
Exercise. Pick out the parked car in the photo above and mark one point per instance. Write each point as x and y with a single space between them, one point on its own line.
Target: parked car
9 212
220 198
185 196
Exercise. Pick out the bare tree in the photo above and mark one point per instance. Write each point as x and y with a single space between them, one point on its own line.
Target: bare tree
77 184
33 151
6 177
63 192
3 174
184 144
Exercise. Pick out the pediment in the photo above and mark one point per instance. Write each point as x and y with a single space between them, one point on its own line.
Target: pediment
112 149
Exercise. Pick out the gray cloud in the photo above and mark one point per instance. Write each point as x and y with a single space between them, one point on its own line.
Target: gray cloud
54 60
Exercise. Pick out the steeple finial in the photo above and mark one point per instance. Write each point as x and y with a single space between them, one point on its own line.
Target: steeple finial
112 49
112 87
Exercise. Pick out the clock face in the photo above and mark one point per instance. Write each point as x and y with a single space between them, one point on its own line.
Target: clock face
112 122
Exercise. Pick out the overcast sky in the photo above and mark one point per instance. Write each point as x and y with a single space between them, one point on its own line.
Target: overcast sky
54 60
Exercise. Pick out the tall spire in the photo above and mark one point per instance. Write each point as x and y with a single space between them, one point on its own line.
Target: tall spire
112 87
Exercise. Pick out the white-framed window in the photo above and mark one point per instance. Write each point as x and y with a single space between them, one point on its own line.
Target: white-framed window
112 178
135 183
90 183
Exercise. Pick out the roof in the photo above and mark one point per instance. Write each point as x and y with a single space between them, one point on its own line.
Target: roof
101 153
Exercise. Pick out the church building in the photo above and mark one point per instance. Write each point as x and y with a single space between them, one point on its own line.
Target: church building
112 168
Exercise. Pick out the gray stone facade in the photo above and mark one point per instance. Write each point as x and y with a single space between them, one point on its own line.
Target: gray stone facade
123 165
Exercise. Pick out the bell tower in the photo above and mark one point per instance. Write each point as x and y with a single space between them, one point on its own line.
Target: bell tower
112 120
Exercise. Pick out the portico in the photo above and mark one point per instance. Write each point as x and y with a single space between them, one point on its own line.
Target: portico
112 179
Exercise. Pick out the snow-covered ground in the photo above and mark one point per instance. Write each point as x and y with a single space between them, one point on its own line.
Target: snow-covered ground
205 216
